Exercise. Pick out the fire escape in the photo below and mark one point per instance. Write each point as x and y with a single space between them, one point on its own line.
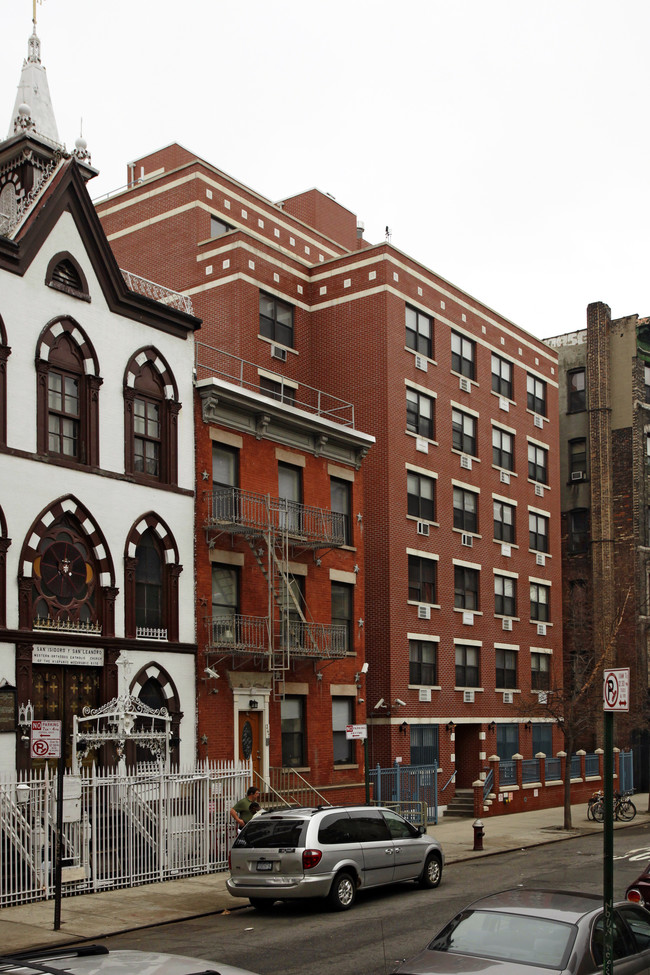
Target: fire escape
275 529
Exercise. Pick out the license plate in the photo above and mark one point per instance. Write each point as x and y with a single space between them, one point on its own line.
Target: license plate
264 865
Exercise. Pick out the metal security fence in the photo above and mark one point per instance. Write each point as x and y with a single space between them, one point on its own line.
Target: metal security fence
120 829
404 784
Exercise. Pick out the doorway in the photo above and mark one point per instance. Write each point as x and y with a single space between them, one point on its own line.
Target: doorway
250 739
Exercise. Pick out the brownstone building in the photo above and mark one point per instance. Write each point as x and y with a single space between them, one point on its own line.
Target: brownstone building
461 513
604 456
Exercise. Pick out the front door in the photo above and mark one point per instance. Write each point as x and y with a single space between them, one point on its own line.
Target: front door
72 688
250 738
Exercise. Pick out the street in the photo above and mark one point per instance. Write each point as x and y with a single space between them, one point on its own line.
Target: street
388 924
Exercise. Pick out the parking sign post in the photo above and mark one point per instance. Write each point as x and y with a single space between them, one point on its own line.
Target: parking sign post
616 697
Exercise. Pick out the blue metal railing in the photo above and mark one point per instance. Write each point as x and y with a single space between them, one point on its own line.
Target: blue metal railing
507 773
592 765
553 769
487 785
530 770
408 783
575 766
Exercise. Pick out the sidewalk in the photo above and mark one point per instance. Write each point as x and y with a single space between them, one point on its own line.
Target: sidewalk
94 916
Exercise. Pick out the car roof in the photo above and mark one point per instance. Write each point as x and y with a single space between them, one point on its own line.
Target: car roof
308 811
118 962
561 905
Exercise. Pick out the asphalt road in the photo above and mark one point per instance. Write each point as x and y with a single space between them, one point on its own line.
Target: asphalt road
390 924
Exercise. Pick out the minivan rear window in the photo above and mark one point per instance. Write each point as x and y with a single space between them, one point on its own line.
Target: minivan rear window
269 833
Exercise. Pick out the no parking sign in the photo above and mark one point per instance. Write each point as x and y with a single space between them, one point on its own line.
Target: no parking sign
616 689
46 739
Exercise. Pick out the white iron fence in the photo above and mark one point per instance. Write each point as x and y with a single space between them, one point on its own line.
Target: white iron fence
119 829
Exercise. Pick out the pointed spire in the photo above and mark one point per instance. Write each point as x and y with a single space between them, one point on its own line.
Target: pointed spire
33 107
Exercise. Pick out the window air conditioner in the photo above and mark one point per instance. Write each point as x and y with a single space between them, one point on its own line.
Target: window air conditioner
542 697
541 629
540 559
468 697
278 353
506 624
466 540
468 619
539 490
421 363
424 612
466 462
424 694
508 697
423 528
538 421
465 384
506 550
504 477
422 445
504 404
577 475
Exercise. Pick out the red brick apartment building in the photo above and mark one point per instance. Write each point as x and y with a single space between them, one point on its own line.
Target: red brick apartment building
460 513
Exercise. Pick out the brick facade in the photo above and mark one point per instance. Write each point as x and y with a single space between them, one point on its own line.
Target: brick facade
349 302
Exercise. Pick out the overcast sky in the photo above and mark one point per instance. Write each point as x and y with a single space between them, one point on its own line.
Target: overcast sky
504 142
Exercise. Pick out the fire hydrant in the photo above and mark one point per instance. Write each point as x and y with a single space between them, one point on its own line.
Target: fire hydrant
479 833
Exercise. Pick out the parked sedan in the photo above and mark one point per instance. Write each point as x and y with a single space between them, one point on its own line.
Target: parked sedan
97 960
639 891
542 929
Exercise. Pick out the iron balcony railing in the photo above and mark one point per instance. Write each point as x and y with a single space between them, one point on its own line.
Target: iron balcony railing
250 635
249 513
223 365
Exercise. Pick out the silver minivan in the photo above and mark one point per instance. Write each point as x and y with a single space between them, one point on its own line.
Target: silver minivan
330 852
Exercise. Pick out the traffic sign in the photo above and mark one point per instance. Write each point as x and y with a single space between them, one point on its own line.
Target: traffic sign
616 689
356 732
46 739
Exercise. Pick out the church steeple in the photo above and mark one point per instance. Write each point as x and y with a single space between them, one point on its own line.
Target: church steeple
33 106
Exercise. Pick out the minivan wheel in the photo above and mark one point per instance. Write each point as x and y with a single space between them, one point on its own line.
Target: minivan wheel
432 873
343 892
263 904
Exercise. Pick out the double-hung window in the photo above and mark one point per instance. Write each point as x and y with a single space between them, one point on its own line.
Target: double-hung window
423 662
342 716
278 389
421 496
503 449
578 531
504 521
292 724
467 661
463 432
466 585
536 395
465 510
419 332
537 463
276 319
501 376
419 414
505 596
506 668
422 579
463 355
341 506
537 532
577 459
540 601
342 599
540 677
576 392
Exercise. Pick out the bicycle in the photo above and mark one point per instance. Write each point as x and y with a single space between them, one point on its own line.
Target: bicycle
624 808
596 798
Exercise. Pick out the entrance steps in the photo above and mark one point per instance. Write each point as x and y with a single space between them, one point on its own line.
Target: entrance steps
462 804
